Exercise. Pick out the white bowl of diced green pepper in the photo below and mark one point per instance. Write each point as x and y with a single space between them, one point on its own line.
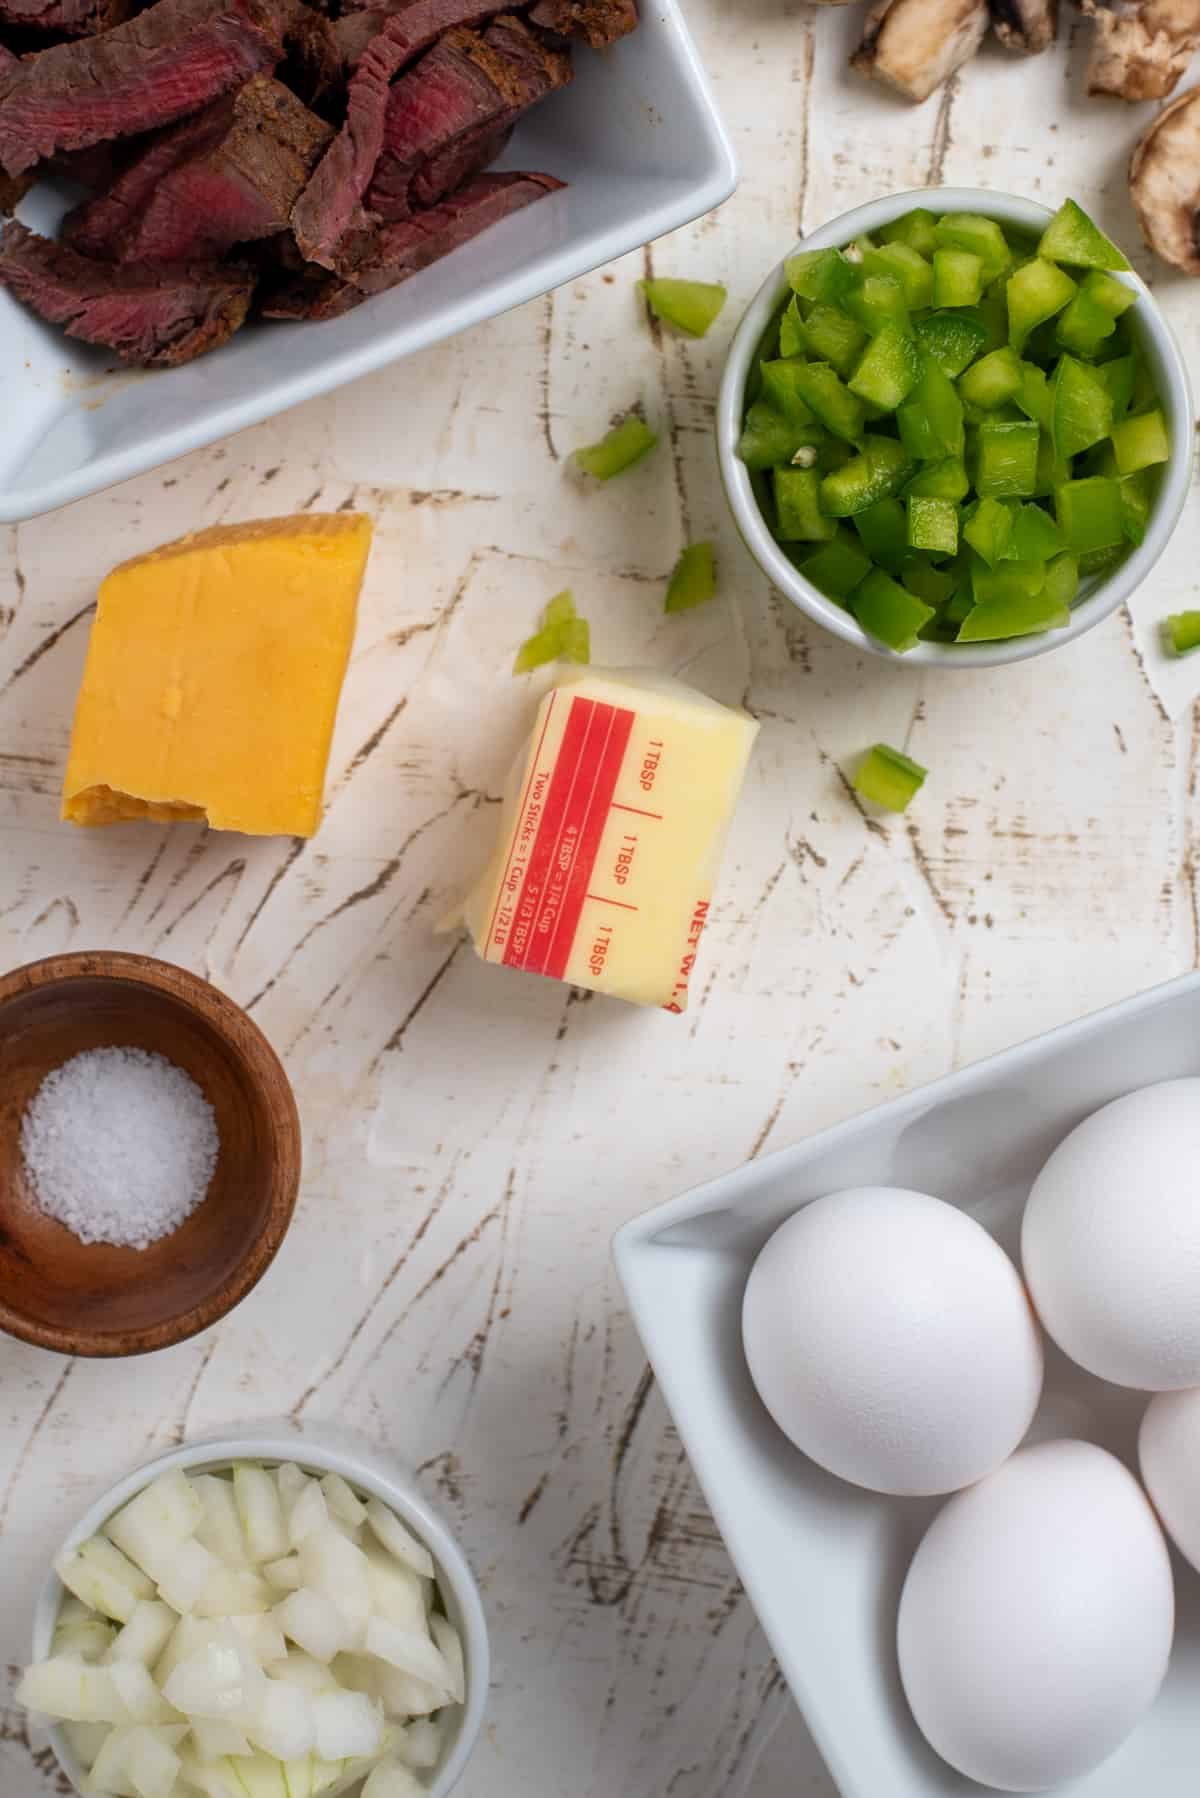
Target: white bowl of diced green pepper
955 427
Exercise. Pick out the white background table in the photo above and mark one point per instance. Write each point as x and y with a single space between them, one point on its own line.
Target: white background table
472 1137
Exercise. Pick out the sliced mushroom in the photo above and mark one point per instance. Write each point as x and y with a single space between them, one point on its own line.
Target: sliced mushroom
1025 26
915 45
1140 51
1164 180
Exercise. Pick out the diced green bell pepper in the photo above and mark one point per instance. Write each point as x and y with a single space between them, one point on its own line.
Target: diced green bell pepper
560 609
829 334
1006 459
947 479
876 301
1062 580
933 525
1145 394
988 528
957 278
1118 376
1012 579
953 339
888 778
562 636
694 580
1082 407
1035 536
1136 501
839 410
624 446
691 306
792 341
1181 633
930 420
1014 615
992 314
980 236
1084 325
798 516
888 368
916 229
992 381
1036 292
1141 442
936 586
888 611
883 529
838 567
905 265
877 473
781 388
1089 514
769 439
575 644
823 275
1071 237
1034 397
1052 471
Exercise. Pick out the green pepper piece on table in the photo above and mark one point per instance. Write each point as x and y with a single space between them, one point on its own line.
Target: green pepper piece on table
1181 633
888 611
559 610
883 529
576 642
829 334
876 301
798 515
1082 408
980 236
933 525
1006 459
1141 442
877 473
992 381
1071 237
888 369
1089 514
957 278
624 446
906 266
820 275
691 306
1035 536
838 567
953 339
1036 292
988 528
839 410
947 479
917 229
694 580
930 420
888 778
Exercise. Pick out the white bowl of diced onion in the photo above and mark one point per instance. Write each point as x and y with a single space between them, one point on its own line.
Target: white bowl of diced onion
260 1617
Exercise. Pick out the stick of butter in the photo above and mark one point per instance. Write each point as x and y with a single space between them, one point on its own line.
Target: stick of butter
213 674
611 836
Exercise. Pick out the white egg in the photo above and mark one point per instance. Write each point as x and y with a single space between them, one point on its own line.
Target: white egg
890 1337
1169 1452
1111 1240
1036 1618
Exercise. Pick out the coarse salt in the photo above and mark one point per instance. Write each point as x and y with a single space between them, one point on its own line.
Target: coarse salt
119 1145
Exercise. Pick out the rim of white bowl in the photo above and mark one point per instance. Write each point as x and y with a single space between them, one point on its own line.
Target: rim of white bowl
455 1579
1107 593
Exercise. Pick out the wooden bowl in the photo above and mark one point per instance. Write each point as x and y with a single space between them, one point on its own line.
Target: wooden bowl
97 1299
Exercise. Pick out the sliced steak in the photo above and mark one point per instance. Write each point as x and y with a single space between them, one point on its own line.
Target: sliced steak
152 318
167 62
469 87
330 207
404 249
598 22
228 176
454 166
65 18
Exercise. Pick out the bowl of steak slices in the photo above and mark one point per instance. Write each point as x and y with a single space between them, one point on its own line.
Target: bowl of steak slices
255 201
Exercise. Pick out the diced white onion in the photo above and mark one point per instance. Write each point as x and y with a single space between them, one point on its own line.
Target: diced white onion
152 1526
342 1502
285 1725
145 1635
314 1623
261 1512
450 1648
191 1568
392 1779
421 1745
348 1725
398 1539
309 1513
284 1575
214 1738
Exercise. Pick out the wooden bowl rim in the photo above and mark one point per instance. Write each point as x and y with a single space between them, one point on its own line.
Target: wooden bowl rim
238 1030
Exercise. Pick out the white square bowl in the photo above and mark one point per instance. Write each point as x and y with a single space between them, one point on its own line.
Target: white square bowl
638 140
822 1562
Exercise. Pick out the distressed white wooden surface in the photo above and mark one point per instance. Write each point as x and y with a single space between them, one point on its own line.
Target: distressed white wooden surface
473 1138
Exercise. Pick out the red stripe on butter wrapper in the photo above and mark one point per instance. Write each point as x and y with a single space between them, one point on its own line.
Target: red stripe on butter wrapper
531 909
607 772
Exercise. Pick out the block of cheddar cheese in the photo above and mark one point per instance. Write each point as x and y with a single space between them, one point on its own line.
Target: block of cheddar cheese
213 674
611 836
